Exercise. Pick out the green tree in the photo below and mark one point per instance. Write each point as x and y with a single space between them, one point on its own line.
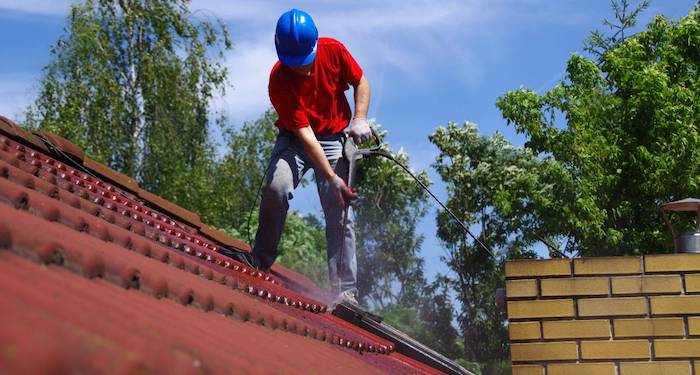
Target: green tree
429 319
239 173
390 269
302 247
499 190
130 82
598 42
625 130
390 204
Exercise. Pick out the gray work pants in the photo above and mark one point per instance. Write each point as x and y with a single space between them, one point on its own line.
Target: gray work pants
288 164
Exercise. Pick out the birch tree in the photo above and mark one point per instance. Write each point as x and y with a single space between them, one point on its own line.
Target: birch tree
130 82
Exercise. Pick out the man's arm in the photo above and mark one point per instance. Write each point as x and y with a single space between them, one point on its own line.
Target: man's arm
321 165
360 130
314 152
362 95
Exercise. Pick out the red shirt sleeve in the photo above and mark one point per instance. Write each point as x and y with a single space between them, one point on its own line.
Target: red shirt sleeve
291 112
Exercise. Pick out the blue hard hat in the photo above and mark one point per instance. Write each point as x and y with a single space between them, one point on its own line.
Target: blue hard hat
296 38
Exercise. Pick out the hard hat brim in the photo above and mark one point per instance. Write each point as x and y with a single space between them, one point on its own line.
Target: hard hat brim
295 61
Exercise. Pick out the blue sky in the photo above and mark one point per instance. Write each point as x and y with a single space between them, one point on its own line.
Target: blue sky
428 62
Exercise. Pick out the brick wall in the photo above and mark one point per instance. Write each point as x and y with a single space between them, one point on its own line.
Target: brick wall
617 316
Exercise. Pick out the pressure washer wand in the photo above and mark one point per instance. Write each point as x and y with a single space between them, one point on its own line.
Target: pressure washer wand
352 154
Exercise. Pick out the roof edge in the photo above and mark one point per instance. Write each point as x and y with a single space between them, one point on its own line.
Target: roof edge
172 209
223 238
63 145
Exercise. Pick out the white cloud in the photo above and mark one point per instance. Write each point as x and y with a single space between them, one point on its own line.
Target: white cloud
249 66
414 41
410 40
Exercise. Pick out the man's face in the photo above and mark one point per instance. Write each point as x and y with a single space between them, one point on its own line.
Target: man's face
303 70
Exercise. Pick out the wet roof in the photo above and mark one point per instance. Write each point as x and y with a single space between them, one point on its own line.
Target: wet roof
100 276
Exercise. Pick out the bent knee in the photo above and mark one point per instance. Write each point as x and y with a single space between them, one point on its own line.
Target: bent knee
278 190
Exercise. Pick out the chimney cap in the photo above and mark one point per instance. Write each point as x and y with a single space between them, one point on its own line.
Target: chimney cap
687 204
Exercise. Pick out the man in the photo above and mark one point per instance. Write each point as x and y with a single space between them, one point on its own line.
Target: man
307 88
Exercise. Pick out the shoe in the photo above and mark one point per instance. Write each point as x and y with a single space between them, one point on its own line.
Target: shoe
349 296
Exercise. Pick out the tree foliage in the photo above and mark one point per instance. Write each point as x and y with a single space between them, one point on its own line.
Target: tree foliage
597 43
390 267
496 189
130 83
389 207
625 129
239 172
302 247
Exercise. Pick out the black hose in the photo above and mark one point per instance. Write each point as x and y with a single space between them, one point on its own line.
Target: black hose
464 226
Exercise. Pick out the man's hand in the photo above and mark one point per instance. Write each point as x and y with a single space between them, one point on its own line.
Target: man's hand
322 167
360 131
341 190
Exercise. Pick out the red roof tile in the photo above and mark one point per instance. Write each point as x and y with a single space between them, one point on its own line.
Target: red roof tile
107 281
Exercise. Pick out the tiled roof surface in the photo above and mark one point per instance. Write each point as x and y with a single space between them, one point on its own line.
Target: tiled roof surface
100 276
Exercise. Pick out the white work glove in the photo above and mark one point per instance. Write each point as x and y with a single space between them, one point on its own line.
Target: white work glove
341 190
360 131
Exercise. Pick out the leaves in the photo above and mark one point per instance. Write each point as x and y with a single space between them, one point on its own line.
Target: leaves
496 189
390 203
302 247
130 83
628 143
598 43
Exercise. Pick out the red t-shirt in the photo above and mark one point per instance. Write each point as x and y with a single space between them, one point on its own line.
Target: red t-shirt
317 99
